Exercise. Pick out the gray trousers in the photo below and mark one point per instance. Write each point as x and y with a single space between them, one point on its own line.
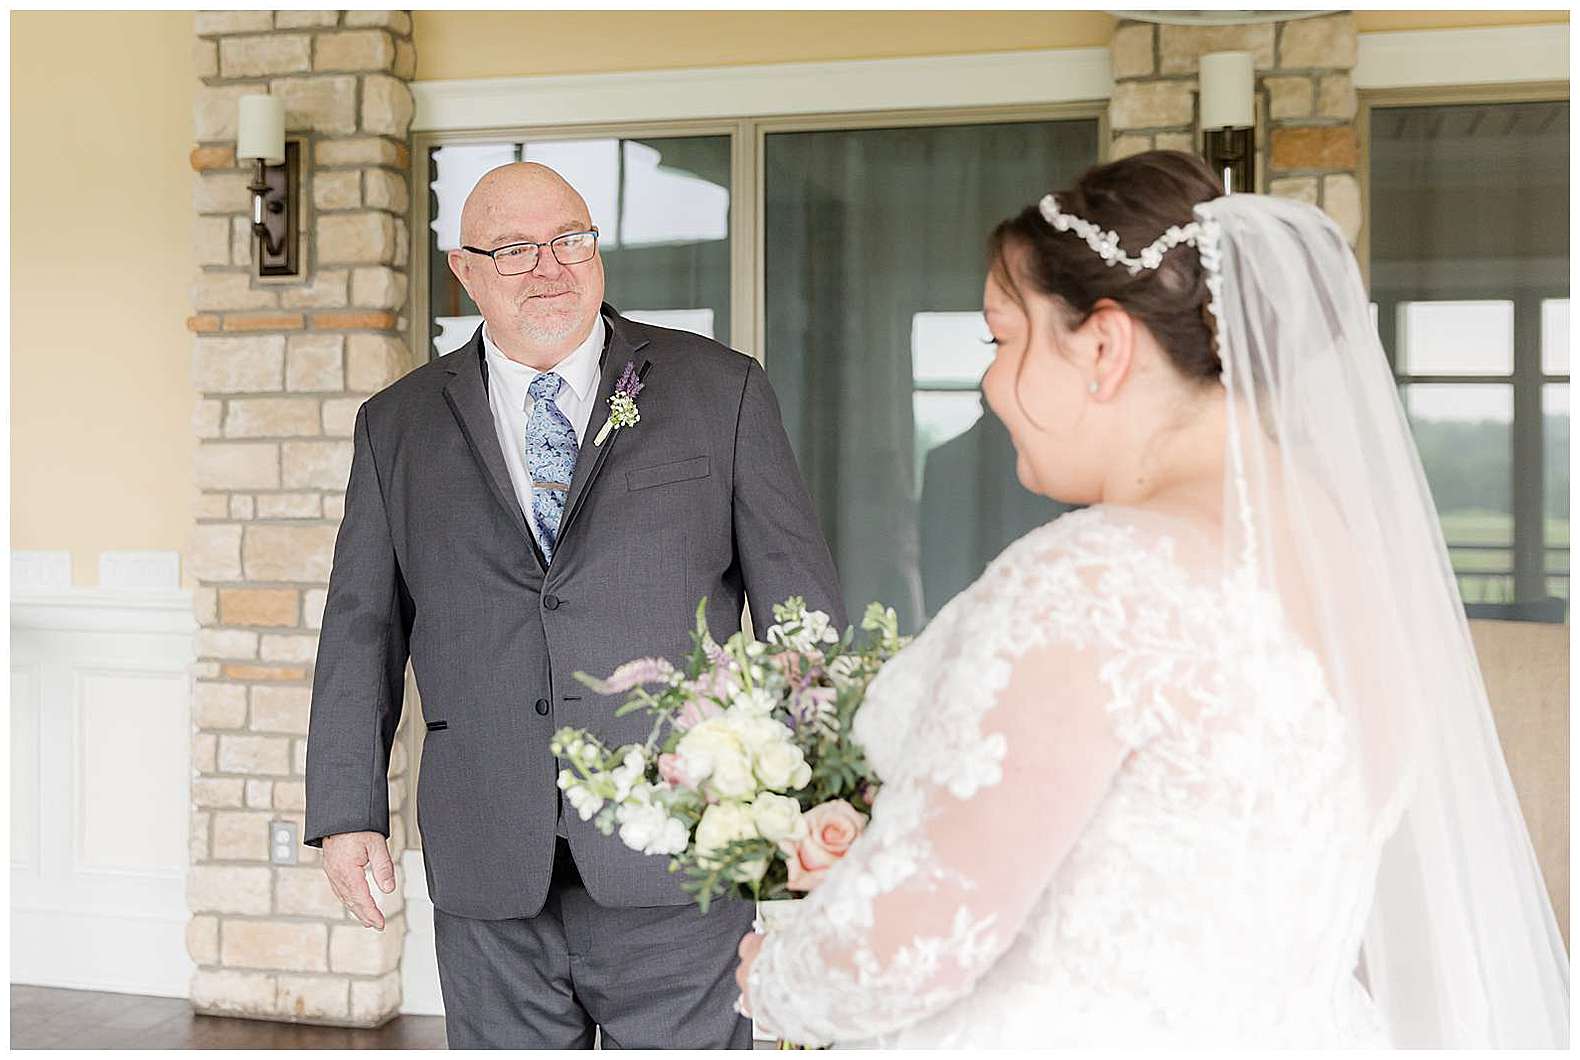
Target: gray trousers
660 977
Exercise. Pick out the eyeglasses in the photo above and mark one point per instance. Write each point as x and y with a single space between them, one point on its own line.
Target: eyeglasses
572 248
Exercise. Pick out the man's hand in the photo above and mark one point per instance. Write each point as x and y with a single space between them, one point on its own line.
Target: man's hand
347 856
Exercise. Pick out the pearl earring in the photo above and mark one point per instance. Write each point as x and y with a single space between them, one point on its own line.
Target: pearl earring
1092 387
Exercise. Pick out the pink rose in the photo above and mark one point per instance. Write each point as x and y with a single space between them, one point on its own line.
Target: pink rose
670 771
830 829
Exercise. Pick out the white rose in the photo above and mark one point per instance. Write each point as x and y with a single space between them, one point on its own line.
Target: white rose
723 823
733 777
777 817
781 767
713 752
757 703
757 732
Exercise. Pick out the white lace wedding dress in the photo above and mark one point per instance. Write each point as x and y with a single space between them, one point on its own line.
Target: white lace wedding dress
1210 888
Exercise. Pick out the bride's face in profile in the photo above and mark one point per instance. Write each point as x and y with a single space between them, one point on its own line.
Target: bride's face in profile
1040 385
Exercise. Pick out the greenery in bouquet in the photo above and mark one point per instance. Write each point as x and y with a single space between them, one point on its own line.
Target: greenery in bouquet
749 780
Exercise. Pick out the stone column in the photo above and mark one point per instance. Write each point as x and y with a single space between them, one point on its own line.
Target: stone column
281 366
1305 102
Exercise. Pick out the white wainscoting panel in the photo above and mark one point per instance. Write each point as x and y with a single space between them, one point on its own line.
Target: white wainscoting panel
419 968
100 779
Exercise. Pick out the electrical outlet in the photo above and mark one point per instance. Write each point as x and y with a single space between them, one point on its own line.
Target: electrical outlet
282 842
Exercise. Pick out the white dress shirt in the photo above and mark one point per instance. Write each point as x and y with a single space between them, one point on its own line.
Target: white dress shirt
511 403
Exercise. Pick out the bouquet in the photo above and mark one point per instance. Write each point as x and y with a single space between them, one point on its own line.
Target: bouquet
749 780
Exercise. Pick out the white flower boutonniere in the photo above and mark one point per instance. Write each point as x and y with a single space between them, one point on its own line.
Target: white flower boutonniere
622 403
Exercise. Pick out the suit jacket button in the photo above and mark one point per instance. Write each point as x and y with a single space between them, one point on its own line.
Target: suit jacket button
542 706
551 602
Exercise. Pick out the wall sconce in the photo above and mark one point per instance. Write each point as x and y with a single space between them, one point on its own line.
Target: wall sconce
260 138
1228 118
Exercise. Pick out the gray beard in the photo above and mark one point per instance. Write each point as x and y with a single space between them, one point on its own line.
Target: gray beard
544 334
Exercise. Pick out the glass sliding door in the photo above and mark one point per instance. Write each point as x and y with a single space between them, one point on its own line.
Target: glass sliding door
874 259
661 205
1469 236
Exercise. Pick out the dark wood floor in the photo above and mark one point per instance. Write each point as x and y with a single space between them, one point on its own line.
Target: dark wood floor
46 1018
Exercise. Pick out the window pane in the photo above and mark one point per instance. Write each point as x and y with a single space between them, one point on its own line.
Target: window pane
1457 338
1463 435
874 257
1555 486
662 208
1469 222
1555 336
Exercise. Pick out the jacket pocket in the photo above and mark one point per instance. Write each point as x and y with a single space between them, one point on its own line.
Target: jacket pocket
644 477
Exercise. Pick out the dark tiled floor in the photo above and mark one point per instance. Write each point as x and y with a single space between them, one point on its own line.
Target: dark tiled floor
46 1018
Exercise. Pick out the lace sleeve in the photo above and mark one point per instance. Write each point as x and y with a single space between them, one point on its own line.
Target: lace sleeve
1025 727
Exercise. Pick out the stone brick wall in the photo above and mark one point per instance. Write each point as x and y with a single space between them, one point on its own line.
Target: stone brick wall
1307 144
281 366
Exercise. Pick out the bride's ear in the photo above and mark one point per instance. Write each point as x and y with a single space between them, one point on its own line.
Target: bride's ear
1114 333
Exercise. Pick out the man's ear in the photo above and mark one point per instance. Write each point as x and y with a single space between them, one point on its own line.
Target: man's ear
1115 334
456 259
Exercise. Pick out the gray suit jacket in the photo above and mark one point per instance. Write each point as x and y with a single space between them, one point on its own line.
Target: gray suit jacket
435 560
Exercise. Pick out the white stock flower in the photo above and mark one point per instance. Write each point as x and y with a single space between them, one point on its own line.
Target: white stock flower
647 828
818 629
583 801
630 770
777 817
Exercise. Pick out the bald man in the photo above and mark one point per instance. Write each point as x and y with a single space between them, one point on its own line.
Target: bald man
497 536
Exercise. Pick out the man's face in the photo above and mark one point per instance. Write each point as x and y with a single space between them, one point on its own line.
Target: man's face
550 309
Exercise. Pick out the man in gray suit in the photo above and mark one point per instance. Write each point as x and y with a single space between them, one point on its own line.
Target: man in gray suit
496 539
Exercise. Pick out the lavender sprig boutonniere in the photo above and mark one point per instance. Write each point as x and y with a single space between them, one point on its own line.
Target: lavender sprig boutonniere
622 403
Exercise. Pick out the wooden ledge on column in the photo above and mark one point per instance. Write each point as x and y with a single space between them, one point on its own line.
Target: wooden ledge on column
355 319
203 322
263 322
254 672
214 156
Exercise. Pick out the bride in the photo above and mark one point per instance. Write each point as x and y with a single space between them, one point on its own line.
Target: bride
1210 761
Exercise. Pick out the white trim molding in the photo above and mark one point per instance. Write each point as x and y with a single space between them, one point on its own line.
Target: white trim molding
1485 56
1477 56
987 79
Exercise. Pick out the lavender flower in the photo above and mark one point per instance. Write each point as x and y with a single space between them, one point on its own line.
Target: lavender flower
636 672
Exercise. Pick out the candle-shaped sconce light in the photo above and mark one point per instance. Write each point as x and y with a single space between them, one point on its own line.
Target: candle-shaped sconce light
260 139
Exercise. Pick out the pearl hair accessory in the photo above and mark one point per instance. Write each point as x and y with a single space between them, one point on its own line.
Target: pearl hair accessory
1106 244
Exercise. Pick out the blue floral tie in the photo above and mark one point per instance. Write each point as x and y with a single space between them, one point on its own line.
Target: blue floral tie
551 459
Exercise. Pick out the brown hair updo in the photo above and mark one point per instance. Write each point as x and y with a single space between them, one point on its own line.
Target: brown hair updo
1139 198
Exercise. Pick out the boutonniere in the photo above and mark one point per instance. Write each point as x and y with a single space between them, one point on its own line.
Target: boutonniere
622 403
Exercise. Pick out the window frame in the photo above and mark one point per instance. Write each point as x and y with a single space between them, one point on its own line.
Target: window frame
1528 549
748 186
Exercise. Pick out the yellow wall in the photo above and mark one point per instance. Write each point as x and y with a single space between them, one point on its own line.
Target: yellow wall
461 44
466 44
101 264
1387 21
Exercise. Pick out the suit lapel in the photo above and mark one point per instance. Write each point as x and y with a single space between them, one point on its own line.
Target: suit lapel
468 399
618 352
